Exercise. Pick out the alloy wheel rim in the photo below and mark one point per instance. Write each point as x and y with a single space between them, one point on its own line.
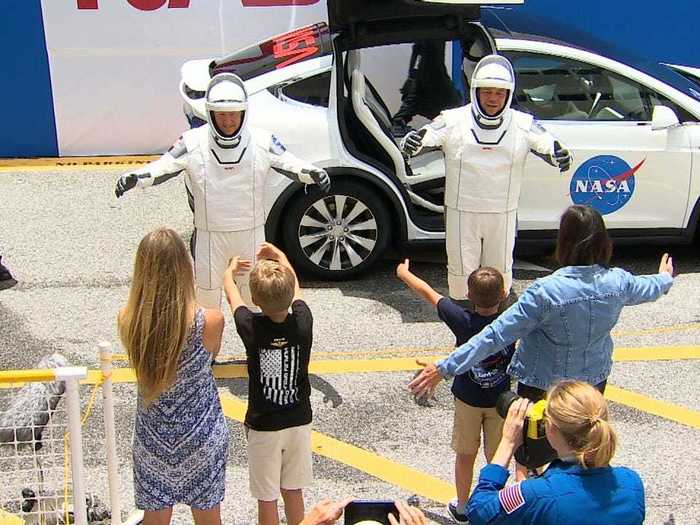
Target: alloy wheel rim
338 232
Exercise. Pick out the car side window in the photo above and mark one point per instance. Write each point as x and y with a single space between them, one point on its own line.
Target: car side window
555 88
313 90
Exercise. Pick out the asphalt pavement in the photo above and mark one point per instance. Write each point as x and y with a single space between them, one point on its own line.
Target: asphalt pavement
70 243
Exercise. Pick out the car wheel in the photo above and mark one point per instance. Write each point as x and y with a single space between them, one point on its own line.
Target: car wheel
339 234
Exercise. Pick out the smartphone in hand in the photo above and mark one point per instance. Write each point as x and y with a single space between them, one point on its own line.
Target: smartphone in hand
370 512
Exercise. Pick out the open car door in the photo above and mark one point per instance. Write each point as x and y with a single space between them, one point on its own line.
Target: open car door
367 23
365 123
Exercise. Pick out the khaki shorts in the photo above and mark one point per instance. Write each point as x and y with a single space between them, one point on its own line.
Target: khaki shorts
280 459
466 432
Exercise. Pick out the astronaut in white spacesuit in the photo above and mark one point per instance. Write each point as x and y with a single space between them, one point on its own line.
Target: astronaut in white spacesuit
485 144
226 164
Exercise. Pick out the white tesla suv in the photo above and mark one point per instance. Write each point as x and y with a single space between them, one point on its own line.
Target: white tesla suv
325 90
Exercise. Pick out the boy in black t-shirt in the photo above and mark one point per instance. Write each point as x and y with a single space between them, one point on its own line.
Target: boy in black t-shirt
278 347
477 390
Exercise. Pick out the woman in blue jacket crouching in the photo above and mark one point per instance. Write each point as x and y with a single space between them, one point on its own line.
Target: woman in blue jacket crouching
580 487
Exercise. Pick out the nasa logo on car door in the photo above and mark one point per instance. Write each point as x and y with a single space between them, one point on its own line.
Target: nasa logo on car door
604 182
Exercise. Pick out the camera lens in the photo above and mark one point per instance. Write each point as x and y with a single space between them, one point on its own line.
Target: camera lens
504 401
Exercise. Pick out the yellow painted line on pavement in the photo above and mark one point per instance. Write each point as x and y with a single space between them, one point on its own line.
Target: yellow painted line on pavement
399 364
676 413
656 353
447 349
44 164
396 364
233 407
639 353
384 351
342 353
126 375
410 479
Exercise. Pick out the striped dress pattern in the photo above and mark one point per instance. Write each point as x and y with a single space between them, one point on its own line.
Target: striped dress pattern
180 445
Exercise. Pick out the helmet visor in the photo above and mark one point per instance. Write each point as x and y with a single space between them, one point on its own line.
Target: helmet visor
492 101
227 123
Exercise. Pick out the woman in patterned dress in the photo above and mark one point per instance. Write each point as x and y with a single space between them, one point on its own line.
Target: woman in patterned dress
180 445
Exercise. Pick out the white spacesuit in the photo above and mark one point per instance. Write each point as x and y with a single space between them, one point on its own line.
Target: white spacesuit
485 153
225 176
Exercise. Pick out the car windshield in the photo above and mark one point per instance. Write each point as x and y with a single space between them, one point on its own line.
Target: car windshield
280 51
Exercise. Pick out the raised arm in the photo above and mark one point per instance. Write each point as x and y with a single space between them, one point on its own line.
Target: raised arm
233 294
545 146
647 288
516 322
430 135
417 284
294 168
213 330
171 164
270 251
519 320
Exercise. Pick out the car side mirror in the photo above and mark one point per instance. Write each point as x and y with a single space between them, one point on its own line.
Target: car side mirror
663 117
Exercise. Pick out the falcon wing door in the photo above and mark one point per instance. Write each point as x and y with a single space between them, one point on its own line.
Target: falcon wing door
368 23
276 53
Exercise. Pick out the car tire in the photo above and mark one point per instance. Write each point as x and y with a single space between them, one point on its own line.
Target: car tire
336 235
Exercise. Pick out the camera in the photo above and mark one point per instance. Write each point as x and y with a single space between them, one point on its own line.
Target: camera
535 450
370 512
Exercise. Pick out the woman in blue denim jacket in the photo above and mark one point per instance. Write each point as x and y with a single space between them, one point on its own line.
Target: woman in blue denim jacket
563 320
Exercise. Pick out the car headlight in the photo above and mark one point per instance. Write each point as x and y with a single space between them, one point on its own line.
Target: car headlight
193 93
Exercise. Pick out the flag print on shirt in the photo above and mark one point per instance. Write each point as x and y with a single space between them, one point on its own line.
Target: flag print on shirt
511 498
279 369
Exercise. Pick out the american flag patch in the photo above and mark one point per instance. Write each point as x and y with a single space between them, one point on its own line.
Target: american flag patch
511 498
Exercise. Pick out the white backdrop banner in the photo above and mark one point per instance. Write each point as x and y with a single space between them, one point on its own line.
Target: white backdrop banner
115 64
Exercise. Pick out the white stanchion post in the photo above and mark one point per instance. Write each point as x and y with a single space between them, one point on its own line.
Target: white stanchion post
71 377
110 433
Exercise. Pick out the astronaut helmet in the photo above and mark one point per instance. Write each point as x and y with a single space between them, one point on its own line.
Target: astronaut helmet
492 71
226 104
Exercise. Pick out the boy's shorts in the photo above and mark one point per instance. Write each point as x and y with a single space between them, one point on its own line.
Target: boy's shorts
466 432
279 459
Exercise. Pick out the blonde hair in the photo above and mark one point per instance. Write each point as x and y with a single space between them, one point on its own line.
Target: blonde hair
272 286
580 413
156 321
